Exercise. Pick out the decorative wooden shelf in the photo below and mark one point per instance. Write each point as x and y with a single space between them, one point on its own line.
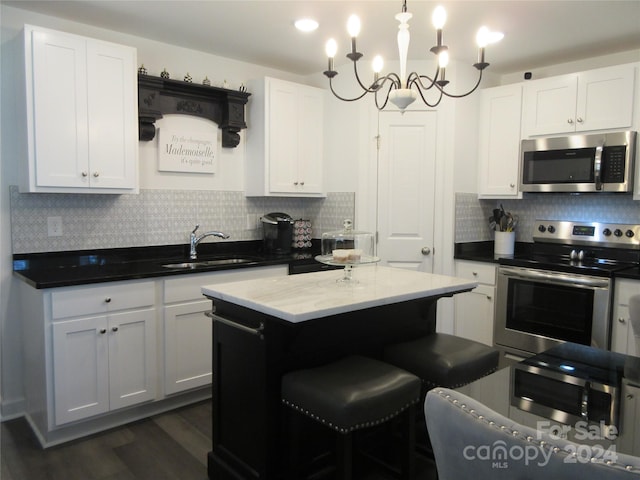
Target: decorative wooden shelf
159 96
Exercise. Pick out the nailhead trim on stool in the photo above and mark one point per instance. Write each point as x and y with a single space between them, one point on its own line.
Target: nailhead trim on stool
352 428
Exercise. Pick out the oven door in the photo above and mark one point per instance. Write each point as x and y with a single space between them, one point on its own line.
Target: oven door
537 309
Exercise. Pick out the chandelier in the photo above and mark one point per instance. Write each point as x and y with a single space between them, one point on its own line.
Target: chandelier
402 90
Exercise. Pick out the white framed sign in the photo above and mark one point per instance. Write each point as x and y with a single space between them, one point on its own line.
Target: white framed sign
192 151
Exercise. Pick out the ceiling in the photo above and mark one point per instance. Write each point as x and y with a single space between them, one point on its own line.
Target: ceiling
537 32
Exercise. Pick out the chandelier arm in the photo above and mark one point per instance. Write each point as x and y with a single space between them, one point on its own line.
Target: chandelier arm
451 95
431 105
415 79
386 97
345 99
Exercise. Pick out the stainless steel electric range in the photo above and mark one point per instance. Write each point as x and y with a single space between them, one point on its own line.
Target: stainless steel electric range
560 289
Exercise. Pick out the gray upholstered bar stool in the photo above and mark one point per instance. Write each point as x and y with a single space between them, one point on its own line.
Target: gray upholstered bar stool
443 360
347 395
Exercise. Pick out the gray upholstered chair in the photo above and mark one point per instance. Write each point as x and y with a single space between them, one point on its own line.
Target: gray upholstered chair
471 441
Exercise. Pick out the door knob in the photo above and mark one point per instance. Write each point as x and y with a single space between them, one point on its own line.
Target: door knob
425 250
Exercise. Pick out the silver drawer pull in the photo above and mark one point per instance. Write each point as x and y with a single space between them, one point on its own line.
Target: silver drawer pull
253 331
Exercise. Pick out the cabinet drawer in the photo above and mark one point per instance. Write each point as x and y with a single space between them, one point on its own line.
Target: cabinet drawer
188 287
86 300
478 271
625 289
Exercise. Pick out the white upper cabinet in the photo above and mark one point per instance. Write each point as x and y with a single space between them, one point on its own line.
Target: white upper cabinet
592 100
82 122
285 140
499 155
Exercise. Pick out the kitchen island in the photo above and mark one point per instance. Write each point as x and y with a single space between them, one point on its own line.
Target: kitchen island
264 328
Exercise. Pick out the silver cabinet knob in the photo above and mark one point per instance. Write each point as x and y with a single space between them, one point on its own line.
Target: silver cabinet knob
295 183
96 174
103 331
512 185
425 250
301 183
570 121
114 329
579 119
107 300
622 320
85 174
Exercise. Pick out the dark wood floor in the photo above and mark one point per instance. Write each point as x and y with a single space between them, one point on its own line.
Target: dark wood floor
168 446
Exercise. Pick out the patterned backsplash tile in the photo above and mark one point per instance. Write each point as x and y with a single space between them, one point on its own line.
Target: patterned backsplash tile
158 217
472 214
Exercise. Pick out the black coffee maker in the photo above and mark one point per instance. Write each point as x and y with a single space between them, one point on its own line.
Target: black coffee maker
277 231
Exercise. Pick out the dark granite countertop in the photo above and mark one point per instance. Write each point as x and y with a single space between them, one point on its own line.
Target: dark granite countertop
60 269
483 251
632 273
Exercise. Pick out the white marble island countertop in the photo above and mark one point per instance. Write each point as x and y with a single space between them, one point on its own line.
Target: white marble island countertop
297 298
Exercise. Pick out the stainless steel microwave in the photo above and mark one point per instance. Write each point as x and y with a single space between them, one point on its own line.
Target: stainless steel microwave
579 163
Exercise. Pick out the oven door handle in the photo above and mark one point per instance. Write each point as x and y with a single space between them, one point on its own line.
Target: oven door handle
558 278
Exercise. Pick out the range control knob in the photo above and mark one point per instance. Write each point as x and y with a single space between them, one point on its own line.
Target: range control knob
629 233
551 229
542 228
617 232
606 232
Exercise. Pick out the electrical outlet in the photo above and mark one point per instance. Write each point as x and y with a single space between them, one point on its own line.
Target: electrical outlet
54 226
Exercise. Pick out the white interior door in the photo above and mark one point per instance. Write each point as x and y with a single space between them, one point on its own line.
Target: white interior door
406 186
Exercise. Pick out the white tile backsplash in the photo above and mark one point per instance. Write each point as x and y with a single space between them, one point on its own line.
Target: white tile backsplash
157 217
472 214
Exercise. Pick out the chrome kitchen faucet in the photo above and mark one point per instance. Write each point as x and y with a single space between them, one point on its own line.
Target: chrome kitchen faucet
194 240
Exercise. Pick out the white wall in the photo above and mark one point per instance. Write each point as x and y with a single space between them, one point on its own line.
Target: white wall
341 151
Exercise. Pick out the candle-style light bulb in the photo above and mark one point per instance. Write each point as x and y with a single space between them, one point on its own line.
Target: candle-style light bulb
377 65
443 59
331 48
439 17
353 26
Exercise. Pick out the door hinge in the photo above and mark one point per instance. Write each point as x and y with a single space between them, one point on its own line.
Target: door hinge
377 137
376 238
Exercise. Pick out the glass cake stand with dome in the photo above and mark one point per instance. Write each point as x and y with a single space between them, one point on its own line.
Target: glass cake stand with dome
348 248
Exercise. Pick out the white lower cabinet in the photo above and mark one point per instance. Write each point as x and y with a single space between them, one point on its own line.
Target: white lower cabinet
103 363
474 310
188 341
102 355
623 339
106 360
188 346
629 438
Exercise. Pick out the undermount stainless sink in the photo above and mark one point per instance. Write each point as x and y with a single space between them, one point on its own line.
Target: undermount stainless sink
209 263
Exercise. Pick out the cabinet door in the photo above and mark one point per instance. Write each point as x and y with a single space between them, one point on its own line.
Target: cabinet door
80 369
310 140
500 111
132 358
474 314
549 105
112 94
188 345
58 141
629 440
282 137
605 98
623 338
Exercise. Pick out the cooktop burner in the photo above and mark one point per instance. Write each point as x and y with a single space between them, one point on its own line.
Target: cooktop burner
580 247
